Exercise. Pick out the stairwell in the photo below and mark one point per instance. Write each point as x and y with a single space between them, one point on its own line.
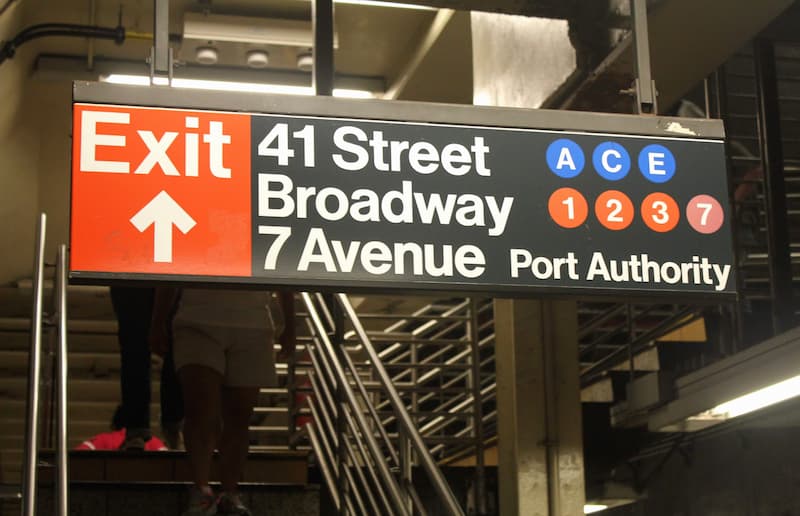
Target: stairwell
104 483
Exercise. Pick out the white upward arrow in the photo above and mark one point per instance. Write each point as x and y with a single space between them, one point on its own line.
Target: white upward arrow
163 212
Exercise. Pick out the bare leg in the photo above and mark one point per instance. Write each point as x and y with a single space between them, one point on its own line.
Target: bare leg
202 388
237 406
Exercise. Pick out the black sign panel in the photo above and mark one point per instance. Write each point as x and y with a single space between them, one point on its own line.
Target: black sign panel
357 203
274 190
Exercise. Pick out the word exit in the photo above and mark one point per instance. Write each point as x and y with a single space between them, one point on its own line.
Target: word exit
121 142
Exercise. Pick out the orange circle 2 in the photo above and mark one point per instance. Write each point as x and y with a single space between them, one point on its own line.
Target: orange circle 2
660 212
568 208
614 210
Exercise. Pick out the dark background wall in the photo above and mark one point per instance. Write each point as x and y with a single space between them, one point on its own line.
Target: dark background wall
743 472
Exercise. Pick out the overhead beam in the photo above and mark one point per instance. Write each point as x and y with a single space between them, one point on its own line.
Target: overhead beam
688 40
435 30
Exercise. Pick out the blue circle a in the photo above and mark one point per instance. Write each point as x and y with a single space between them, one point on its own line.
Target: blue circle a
657 163
611 161
565 158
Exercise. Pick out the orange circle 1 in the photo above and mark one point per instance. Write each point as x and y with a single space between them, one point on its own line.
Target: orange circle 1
614 210
660 212
568 208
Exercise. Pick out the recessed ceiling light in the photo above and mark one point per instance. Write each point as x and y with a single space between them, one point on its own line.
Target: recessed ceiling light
305 61
206 55
257 58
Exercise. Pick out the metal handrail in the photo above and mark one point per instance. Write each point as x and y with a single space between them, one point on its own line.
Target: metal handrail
358 459
59 316
34 372
62 465
341 381
434 473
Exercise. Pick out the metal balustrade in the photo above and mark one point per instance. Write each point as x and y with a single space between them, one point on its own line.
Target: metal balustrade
364 427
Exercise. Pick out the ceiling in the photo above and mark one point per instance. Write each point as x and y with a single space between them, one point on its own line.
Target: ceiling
373 41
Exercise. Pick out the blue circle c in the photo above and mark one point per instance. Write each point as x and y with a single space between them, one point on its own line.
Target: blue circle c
565 158
657 163
611 161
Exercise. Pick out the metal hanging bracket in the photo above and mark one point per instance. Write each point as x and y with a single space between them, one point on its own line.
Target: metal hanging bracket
644 87
161 60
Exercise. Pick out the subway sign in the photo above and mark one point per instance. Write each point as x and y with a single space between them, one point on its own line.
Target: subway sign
166 188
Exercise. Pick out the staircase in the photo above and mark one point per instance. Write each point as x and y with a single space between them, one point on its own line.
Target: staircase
93 374
276 479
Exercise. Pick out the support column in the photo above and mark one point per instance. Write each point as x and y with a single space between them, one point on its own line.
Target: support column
539 410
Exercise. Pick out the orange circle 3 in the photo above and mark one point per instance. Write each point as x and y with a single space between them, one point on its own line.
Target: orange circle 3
660 212
614 210
568 208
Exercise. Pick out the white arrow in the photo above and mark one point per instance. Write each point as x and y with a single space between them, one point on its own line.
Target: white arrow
163 212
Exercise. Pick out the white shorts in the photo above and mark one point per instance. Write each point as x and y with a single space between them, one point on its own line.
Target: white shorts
243 356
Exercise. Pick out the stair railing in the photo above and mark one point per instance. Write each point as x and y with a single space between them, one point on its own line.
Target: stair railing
367 470
32 423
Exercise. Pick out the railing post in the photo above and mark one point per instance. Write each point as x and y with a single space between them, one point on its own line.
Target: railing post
477 409
341 452
292 410
34 370
406 468
60 302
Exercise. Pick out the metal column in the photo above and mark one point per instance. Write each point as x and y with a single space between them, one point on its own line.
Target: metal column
322 75
539 409
161 60
769 137
645 86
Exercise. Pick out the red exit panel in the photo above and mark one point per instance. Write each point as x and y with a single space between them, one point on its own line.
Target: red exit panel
160 191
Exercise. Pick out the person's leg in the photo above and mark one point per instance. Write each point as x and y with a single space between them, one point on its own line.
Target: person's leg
202 390
171 401
249 364
237 407
133 308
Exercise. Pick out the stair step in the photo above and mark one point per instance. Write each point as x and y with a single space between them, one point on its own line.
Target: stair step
285 467
83 301
78 430
74 325
80 389
82 363
79 342
127 499
77 410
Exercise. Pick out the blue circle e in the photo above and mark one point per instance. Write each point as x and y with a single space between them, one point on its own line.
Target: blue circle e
611 161
565 158
657 163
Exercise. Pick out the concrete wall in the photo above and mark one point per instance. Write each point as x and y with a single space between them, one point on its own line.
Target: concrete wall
19 153
519 61
53 112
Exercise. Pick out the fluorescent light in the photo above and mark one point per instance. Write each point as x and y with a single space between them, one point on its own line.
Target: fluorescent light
245 87
759 399
396 5
591 508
